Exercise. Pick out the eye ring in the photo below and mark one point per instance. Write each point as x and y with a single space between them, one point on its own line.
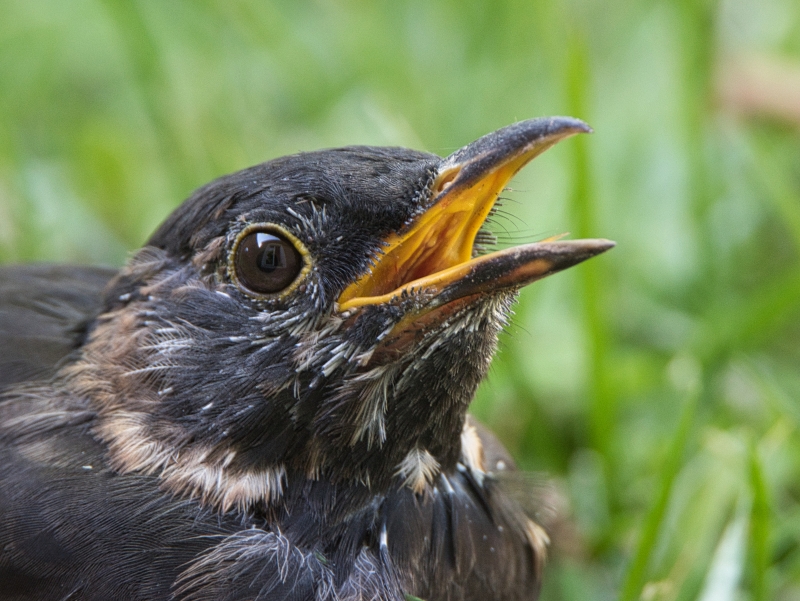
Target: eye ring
248 271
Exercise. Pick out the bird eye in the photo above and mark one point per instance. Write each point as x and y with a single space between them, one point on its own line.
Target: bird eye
266 262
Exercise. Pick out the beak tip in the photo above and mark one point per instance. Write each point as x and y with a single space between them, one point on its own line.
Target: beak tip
602 244
593 247
566 253
567 125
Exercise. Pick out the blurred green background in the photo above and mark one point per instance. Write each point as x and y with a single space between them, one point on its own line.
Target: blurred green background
658 386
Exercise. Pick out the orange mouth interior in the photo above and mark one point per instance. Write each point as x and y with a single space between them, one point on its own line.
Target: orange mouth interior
440 240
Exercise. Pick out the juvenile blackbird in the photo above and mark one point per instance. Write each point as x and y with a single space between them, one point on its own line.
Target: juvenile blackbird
269 401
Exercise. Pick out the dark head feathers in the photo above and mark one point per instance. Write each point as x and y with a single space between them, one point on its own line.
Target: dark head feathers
370 180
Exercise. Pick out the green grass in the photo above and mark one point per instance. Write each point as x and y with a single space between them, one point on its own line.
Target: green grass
658 385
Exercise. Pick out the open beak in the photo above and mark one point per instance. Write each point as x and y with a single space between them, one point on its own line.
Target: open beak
434 258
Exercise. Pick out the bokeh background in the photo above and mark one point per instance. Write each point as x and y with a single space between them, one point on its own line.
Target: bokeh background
658 386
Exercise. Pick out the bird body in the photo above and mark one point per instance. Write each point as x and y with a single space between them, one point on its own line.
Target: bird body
269 401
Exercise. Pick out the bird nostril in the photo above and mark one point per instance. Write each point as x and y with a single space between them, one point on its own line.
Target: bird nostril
444 181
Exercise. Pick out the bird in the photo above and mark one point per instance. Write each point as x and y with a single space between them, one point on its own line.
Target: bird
269 401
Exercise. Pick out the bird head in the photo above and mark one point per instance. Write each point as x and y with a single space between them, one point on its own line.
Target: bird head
325 316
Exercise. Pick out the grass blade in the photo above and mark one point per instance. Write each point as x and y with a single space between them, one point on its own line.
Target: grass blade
637 572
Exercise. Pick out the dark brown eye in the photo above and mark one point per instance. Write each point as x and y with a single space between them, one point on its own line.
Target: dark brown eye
266 262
